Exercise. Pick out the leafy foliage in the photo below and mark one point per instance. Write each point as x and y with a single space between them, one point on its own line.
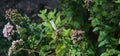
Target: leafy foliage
81 28
105 21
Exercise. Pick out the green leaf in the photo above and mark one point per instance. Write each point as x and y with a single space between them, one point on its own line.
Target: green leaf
95 22
47 24
53 25
103 43
66 32
108 28
41 53
110 52
119 40
53 36
43 11
44 18
58 21
51 15
43 14
104 54
73 52
91 18
104 13
118 1
102 35
60 50
96 29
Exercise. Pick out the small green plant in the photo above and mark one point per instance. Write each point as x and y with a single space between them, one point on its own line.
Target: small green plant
59 34
51 37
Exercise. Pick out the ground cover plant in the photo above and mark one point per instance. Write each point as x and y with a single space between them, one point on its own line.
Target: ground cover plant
76 28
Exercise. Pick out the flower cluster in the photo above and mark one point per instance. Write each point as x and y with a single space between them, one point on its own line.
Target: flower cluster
76 36
7 31
88 3
57 32
13 48
8 13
